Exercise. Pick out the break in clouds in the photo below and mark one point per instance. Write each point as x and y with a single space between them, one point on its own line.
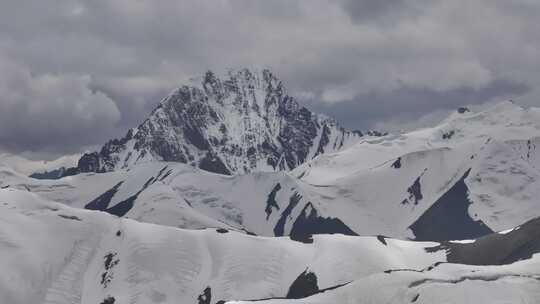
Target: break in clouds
75 73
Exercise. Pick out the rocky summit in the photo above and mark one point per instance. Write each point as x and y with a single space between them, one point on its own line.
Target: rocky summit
239 123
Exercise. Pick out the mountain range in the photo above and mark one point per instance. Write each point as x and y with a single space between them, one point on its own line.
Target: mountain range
232 191
244 122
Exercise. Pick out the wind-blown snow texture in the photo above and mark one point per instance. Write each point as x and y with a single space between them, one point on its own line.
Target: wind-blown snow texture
52 253
241 123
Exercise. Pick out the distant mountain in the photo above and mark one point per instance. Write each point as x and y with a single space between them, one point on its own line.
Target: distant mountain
240 123
54 174
26 166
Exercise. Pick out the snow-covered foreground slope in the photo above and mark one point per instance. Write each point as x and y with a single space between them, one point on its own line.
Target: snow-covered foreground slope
56 253
446 283
52 253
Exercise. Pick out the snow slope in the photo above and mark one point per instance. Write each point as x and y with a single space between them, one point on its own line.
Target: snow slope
57 254
180 195
53 253
478 169
447 283
503 122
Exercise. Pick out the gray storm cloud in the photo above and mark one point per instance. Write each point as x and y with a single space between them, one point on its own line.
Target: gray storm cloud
38 111
75 73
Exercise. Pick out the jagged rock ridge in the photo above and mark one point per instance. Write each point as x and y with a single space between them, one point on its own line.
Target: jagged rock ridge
240 123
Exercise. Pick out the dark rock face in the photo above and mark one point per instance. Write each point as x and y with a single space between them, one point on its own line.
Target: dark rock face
309 223
279 229
121 208
242 123
271 201
110 262
304 286
448 218
56 174
324 140
53 174
448 134
382 239
462 110
205 297
89 163
415 193
102 202
109 300
496 248
214 164
397 163
375 133
70 217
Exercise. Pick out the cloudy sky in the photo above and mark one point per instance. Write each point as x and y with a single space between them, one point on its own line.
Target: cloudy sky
75 73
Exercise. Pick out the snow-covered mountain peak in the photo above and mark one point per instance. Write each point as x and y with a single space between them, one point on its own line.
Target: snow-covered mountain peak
502 121
464 131
498 113
238 123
